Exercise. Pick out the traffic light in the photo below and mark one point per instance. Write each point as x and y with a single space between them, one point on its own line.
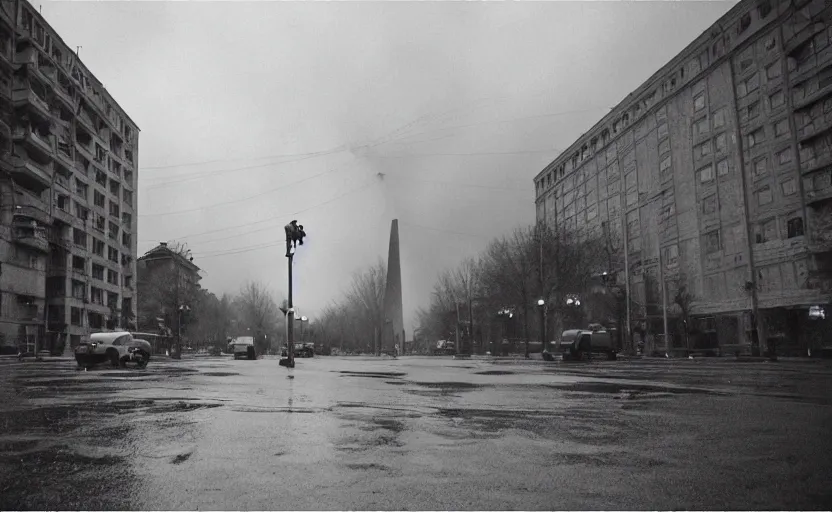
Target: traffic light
294 236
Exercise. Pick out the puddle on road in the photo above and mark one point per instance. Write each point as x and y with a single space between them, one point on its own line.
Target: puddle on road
286 410
630 390
182 457
616 459
219 374
495 372
372 375
455 386
369 466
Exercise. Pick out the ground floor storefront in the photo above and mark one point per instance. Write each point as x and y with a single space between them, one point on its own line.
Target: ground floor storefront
799 331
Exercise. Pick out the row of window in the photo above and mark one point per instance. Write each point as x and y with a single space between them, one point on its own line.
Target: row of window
695 66
94 320
67 61
80 239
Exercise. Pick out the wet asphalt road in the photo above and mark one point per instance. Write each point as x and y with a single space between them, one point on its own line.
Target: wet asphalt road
417 433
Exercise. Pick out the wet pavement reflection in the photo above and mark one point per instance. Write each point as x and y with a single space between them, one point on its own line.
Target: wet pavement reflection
416 433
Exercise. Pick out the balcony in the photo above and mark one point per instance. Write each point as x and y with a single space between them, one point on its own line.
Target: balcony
6 57
819 244
28 211
84 150
26 56
62 240
86 121
63 216
31 174
66 97
39 144
65 159
32 237
57 271
25 96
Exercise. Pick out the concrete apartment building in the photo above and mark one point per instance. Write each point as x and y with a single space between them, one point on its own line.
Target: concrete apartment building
716 173
159 302
68 160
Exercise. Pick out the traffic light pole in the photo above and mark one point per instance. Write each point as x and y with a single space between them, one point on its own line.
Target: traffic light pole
290 320
294 236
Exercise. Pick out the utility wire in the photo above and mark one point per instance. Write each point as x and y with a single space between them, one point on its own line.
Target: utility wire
503 121
253 231
254 159
481 153
373 143
183 178
407 178
264 245
275 217
242 199
450 232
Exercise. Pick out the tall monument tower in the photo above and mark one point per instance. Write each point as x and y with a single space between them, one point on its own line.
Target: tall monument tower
393 329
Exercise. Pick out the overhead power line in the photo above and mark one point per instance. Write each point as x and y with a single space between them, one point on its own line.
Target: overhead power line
448 231
394 176
275 217
252 159
480 153
240 200
390 137
183 178
263 245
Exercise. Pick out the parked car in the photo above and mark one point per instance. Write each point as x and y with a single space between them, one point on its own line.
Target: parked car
577 344
301 350
117 348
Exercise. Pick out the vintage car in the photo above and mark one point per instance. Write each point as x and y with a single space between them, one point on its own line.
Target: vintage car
117 348
578 344
301 350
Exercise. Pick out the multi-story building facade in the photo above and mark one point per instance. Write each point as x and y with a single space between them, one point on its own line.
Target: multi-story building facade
716 174
168 281
68 161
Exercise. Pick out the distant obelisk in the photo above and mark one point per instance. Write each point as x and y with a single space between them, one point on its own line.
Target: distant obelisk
393 330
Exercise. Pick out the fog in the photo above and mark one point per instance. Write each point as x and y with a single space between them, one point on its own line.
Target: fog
347 115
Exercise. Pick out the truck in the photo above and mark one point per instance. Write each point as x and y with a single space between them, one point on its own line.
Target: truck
444 347
244 347
577 344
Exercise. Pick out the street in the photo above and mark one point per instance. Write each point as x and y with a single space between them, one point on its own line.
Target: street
417 433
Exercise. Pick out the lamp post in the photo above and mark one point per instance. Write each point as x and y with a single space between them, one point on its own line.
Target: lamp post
505 314
183 310
541 306
303 320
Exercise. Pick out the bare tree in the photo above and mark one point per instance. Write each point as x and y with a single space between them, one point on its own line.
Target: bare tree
259 313
684 298
508 273
366 297
161 289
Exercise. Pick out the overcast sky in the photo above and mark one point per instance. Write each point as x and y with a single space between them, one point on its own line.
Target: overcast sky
256 113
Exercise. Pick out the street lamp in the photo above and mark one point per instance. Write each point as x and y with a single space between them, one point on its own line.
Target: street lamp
302 320
541 303
183 310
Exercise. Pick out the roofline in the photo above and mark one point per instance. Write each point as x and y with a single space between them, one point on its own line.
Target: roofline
692 48
170 255
90 74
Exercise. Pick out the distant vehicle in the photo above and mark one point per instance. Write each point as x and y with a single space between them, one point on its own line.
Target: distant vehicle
577 344
244 348
119 348
444 348
301 350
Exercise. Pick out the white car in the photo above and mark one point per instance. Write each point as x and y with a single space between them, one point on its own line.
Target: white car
118 348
